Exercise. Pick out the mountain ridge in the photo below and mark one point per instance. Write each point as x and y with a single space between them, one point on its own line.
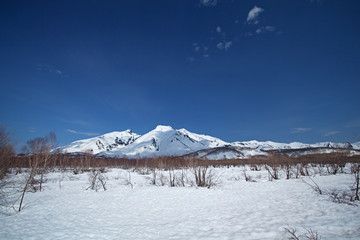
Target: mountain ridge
167 141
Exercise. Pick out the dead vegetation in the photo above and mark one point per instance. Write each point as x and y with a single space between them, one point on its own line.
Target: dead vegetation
97 179
294 166
308 234
355 169
346 195
205 176
6 151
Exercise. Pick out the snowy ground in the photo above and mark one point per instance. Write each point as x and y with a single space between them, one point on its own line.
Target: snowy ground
234 209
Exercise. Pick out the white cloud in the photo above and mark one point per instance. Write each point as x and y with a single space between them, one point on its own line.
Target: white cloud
270 28
198 49
48 68
218 29
208 3
253 15
253 19
265 29
299 130
331 133
228 45
205 52
82 133
224 45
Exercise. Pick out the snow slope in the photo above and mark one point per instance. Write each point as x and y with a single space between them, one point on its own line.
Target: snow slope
269 145
227 152
107 142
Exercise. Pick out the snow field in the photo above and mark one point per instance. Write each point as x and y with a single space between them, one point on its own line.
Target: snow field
234 209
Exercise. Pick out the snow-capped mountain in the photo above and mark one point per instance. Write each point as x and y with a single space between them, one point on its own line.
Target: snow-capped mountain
268 145
167 141
163 140
105 143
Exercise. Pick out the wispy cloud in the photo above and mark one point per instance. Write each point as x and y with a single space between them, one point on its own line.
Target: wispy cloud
299 130
208 3
196 47
254 19
81 133
203 50
218 29
191 59
48 68
253 15
224 45
331 133
265 29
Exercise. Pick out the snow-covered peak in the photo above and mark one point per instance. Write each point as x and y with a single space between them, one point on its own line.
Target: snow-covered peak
163 128
165 140
106 142
205 139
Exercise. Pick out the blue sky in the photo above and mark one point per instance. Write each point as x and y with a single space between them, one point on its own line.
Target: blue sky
238 70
